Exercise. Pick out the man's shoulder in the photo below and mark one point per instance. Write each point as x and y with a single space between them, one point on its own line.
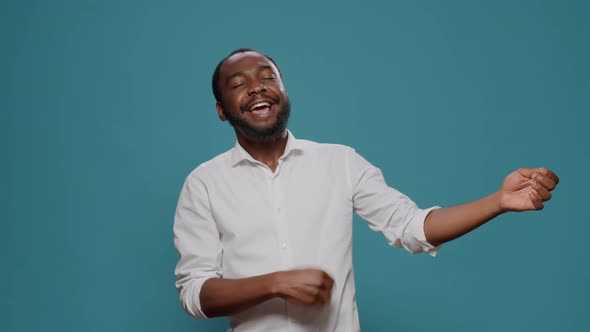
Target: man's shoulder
313 145
212 166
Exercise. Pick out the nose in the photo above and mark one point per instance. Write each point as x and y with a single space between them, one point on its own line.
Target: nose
256 87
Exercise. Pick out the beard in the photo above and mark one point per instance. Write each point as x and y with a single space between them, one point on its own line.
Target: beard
264 134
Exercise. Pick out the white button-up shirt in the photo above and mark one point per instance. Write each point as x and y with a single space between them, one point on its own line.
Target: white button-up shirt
236 218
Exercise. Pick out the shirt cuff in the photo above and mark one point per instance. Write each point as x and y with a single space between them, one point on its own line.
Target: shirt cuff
190 297
416 228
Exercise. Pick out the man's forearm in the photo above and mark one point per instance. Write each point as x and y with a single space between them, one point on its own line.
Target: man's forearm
224 297
445 224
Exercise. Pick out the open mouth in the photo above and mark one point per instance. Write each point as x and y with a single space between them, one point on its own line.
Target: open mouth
260 108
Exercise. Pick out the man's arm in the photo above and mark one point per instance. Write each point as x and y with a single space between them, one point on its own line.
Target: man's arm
523 190
224 297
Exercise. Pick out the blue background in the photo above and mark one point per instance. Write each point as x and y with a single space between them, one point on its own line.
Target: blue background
106 107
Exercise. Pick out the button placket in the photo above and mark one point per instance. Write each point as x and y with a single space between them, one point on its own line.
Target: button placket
280 220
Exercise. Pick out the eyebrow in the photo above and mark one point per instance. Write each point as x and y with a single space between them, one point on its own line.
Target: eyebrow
240 73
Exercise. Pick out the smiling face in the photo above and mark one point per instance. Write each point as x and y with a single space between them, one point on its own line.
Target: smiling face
253 97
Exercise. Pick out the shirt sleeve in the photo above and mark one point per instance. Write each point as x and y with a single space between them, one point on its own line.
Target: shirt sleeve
387 210
197 239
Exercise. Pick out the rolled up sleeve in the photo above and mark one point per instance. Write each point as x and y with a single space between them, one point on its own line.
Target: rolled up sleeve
197 240
414 238
387 210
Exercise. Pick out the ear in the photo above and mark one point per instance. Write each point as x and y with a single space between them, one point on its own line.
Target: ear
220 111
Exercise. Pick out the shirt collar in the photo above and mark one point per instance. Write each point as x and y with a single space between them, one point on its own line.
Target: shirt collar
239 154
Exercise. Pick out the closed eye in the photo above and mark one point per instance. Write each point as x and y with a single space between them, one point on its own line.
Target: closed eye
235 86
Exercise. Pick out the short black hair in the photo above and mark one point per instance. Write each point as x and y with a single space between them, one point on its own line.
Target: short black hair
215 79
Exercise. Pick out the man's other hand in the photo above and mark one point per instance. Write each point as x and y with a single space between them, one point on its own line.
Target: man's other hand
307 286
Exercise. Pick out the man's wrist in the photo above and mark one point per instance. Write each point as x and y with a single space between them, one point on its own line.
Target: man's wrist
275 284
497 204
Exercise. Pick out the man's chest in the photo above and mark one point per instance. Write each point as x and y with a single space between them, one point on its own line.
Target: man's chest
281 219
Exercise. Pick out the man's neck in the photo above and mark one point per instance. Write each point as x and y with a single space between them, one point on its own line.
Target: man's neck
266 152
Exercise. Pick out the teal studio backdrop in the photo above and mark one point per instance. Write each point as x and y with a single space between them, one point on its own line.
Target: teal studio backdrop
106 107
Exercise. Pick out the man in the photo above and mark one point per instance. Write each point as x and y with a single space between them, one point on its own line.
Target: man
264 230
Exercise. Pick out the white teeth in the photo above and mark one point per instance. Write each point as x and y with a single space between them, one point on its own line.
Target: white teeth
264 103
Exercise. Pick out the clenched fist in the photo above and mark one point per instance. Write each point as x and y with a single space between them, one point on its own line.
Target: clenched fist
307 286
527 188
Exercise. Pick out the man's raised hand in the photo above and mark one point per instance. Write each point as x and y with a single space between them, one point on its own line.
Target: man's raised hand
526 189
